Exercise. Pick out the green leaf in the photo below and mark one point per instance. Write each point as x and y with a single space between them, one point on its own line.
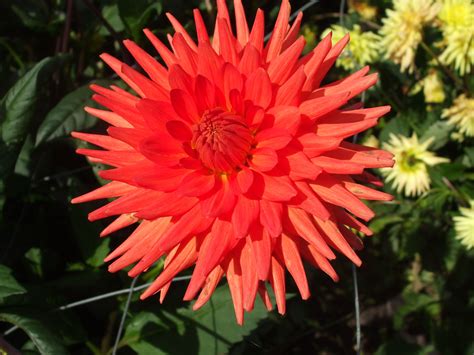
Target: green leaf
192 332
397 125
45 340
415 302
23 163
18 105
468 160
9 286
32 13
18 108
379 223
8 157
93 248
111 14
68 115
135 14
440 131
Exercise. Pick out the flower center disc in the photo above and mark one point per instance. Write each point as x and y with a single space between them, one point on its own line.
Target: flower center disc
222 140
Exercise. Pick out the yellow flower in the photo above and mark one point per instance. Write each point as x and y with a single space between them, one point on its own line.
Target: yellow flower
457 24
456 13
433 88
412 158
459 50
402 30
368 12
461 115
464 226
362 50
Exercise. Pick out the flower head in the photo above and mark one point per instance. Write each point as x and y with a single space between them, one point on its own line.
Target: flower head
363 8
461 115
456 13
410 173
464 226
232 159
363 48
457 24
402 30
459 51
433 88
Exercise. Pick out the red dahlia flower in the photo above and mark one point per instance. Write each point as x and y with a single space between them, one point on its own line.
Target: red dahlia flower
232 159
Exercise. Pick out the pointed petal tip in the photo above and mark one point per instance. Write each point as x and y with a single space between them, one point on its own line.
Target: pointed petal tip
328 37
112 269
133 272
305 296
75 200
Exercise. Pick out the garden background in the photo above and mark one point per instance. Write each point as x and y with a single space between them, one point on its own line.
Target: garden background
415 285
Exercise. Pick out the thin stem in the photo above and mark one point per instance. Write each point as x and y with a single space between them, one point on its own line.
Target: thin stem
448 72
124 316
354 270
462 201
102 19
14 54
126 57
65 173
67 27
101 297
342 6
357 308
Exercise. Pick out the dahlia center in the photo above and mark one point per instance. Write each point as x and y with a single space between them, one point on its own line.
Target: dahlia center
409 160
222 140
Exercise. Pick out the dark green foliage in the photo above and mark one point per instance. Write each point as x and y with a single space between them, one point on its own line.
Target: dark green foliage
416 282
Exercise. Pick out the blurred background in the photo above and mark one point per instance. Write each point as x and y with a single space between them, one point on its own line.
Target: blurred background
416 284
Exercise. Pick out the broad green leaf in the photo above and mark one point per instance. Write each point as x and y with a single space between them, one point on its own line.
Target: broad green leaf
18 108
397 125
468 160
8 285
210 330
18 105
67 116
34 260
440 131
23 163
45 340
111 14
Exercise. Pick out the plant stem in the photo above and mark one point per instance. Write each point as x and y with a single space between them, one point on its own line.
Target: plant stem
126 57
458 82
